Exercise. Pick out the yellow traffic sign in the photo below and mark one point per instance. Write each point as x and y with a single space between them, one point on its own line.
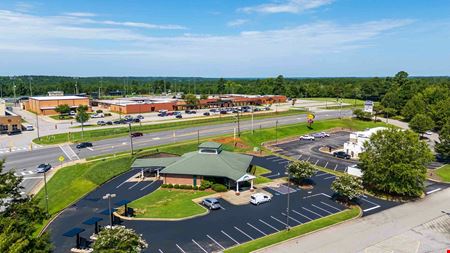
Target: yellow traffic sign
310 116
61 158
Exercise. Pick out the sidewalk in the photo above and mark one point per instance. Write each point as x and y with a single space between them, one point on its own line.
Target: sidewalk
361 234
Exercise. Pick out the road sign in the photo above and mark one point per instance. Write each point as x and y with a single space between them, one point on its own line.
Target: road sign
310 116
61 158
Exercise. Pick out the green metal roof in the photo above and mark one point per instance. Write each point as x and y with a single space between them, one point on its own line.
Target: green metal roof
154 162
224 164
210 144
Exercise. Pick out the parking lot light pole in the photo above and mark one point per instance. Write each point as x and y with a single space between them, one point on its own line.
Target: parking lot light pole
37 126
288 199
131 138
276 131
109 196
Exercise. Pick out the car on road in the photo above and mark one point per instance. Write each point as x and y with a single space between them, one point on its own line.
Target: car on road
109 122
101 123
307 137
97 115
320 135
44 167
259 198
179 116
211 203
136 134
140 117
28 127
341 154
206 114
84 145
223 112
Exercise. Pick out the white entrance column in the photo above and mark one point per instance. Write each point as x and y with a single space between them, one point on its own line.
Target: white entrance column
157 173
237 187
251 185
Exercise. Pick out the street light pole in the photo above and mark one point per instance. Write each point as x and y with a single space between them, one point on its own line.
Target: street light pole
109 196
76 85
31 90
276 131
37 125
46 193
131 139
288 200
253 108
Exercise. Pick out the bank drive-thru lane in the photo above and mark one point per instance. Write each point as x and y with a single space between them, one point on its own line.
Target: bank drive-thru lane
29 160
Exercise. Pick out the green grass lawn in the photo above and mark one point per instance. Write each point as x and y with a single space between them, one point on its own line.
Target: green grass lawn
295 231
344 100
106 133
444 173
71 183
260 179
61 117
164 203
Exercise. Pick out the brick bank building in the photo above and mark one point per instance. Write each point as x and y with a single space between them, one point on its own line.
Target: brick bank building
209 161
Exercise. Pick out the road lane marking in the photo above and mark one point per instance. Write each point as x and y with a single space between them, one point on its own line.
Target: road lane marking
27 178
292 218
337 209
212 239
322 209
306 209
227 235
251 238
265 223
302 215
180 248
256 228
156 138
199 246
91 149
278 220
435 190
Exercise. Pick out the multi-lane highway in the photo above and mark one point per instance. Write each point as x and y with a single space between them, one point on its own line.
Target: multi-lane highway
24 163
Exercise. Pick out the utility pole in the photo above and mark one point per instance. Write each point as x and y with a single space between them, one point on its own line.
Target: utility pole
253 108
13 78
76 85
101 86
37 125
30 78
131 138
198 137
238 125
276 131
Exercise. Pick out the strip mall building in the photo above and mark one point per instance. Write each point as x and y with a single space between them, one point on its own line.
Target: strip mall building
47 105
147 104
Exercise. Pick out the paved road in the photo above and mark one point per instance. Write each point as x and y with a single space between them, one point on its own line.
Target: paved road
359 235
25 163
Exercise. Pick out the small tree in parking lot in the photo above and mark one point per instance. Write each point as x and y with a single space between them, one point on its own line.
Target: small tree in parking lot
119 239
347 187
81 117
62 109
300 171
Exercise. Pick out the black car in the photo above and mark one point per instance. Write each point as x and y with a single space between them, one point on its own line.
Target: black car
43 168
341 154
223 112
136 120
14 132
179 116
137 134
84 145
206 114
109 122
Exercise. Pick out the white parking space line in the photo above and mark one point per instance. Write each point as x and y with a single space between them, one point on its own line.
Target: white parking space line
267 224
330 177
277 160
272 157
274 175
299 157
306 217
122 183
308 158
317 194
368 201
283 162
435 190
180 248
129 188
256 228
278 220
326 164
337 209
91 149
372 208
323 174
292 218
212 239
160 251
306 209
231 238
147 186
27 178
316 162
199 246
251 238
322 209
335 167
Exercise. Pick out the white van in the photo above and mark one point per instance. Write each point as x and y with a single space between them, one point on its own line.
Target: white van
28 127
259 198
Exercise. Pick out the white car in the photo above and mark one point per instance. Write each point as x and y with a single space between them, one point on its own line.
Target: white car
307 137
259 198
428 133
97 115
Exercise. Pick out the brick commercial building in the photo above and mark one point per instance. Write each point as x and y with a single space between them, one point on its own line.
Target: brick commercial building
9 122
210 161
147 104
47 105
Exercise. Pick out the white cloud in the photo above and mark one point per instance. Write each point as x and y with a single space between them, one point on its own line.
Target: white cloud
237 22
289 6
80 14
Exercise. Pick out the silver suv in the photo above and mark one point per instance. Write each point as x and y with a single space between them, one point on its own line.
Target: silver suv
211 203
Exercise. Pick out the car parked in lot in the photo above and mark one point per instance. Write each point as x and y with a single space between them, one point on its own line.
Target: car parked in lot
320 135
101 123
179 116
136 120
44 167
307 137
223 112
259 198
14 132
109 122
28 127
213 110
341 154
97 115
140 117
84 145
136 134
206 114
211 203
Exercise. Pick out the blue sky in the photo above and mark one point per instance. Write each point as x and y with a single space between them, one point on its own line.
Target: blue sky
225 38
